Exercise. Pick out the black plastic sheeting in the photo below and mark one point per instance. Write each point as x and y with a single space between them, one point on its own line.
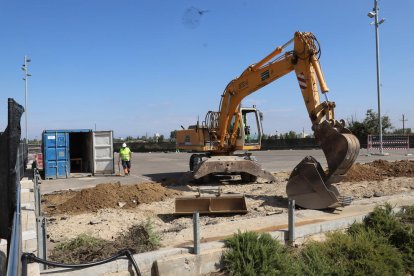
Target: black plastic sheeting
9 144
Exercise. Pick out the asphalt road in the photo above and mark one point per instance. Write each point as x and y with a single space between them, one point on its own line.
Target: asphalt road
157 166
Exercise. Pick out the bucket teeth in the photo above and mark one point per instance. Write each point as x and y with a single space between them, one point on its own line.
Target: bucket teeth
345 200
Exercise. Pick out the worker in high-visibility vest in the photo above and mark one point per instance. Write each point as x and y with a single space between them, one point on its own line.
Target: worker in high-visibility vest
125 155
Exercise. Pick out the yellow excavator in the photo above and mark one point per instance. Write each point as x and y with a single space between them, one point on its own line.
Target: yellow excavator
236 128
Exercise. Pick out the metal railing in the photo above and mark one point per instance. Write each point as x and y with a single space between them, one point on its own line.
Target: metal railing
389 142
40 220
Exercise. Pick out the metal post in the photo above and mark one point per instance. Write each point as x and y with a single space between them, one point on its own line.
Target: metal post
25 68
291 221
378 74
41 252
36 192
40 222
196 230
403 122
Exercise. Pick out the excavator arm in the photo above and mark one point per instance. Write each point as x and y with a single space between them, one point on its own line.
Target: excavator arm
303 60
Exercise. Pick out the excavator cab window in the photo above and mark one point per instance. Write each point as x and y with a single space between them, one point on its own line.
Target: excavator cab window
251 123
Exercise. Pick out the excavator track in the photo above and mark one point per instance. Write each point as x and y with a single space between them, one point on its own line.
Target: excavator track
309 185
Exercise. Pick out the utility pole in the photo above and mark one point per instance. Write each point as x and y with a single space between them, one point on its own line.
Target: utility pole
374 13
403 121
26 75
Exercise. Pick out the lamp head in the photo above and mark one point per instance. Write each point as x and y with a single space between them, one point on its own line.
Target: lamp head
371 14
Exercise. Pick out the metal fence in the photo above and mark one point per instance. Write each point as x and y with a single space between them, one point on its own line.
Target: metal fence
12 168
389 142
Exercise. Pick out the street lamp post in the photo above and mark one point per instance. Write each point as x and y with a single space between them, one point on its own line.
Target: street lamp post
374 14
25 68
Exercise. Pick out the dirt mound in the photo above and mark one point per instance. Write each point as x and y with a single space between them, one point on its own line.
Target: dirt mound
363 172
112 195
395 169
379 170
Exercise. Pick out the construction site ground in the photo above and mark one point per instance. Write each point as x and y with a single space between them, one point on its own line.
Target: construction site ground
109 205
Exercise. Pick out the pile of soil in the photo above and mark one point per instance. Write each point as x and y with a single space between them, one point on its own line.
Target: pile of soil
379 170
112 195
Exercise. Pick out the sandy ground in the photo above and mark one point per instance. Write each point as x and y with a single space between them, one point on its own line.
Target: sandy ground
266 203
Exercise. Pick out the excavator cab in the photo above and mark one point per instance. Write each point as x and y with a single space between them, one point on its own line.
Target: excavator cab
251 124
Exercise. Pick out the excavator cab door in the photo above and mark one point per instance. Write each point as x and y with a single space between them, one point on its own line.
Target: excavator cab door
251 128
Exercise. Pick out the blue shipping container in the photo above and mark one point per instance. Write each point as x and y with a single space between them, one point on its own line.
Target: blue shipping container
56 152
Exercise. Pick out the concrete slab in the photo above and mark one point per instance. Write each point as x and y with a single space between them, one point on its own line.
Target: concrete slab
33 269
189 264
28 235
31 219
30 246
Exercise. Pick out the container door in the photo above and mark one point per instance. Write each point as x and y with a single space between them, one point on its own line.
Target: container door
56 155
103 153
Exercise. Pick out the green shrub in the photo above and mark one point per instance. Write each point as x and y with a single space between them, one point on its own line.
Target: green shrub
382 220
407 215
315 260
396 228
362 253
154 238
253 254
81 249
83 240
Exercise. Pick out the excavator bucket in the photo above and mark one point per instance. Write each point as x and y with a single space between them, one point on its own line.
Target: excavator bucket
216 204
309 185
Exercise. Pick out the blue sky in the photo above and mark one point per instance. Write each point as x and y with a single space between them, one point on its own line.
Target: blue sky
142 67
